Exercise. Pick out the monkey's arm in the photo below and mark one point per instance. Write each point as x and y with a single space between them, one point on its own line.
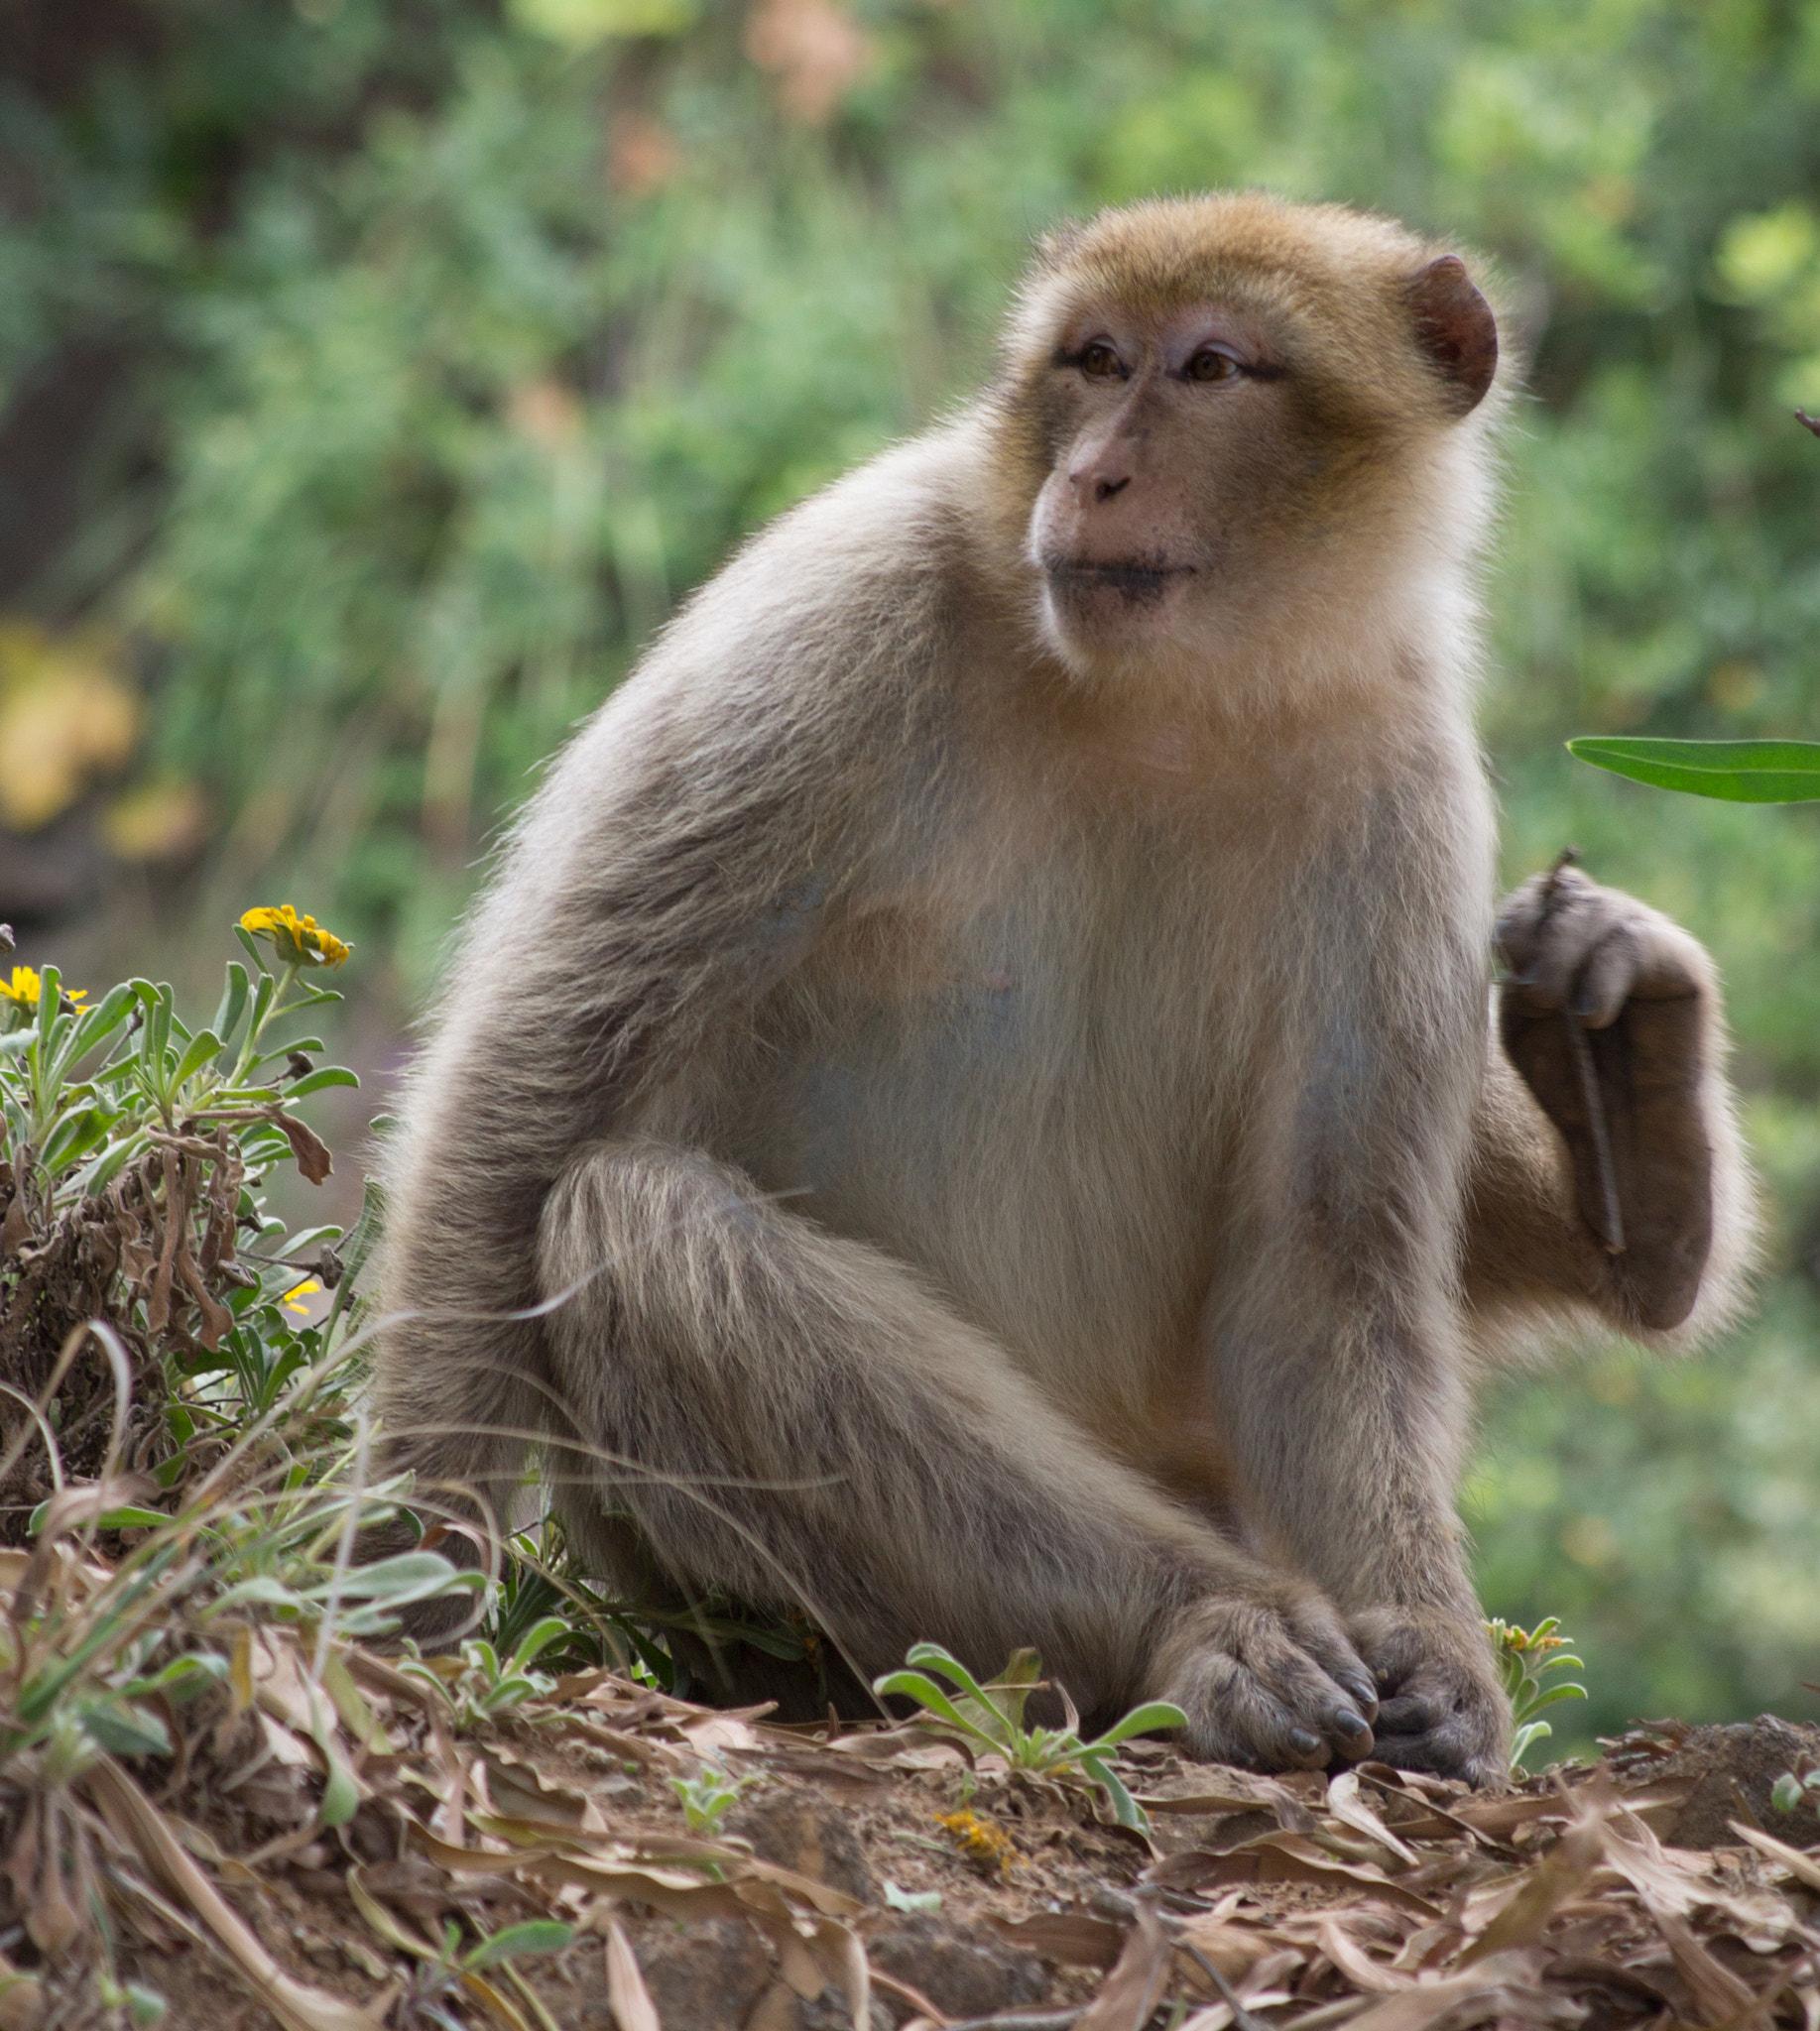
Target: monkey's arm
1606 1175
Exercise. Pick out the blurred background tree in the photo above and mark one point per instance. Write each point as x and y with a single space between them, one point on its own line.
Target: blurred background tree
374 375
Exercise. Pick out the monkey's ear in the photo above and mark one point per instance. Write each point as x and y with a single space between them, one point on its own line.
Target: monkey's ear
1455 328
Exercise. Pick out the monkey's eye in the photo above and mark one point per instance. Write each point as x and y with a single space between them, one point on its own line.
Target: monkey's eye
1211 365
1099 362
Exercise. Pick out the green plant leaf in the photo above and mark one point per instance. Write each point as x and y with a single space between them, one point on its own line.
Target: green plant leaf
205 1045
534 1936
127 1731
76 1135
537 1638
232 1005
131 1518
1739 771
927 1693
1554 1693
1151 1717
314 1082
410 1575
1125 1809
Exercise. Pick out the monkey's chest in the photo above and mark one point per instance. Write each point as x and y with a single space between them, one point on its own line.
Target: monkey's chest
1028 1104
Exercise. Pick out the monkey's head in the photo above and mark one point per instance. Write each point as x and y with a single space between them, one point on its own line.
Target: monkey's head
1216 406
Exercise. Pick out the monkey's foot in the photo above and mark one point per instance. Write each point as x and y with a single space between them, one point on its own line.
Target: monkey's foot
1269 1686
1441 1709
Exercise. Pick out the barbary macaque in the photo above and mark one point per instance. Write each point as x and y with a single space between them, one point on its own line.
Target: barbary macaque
974 1106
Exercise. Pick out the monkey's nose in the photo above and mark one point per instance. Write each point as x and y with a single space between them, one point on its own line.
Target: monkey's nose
1097 483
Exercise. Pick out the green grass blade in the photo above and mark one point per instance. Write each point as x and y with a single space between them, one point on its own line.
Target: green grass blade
1739 771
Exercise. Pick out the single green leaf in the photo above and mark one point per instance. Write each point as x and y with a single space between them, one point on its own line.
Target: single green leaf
1553 1694
927 1693
1739 771
314 1082
183 1678
101 1021
205 1045
410 1575
1125 1809
1153 1715
232 1005
551 1630
127 1731
132 1518
341 1794
534 1936
262 1589
76 1135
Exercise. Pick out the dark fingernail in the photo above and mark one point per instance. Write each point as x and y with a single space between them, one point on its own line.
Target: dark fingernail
1350 1724
1302 1742
1362 1690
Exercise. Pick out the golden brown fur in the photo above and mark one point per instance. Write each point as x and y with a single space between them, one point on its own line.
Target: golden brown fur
982 1046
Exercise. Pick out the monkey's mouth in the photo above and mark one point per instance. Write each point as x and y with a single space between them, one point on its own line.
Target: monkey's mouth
1137 583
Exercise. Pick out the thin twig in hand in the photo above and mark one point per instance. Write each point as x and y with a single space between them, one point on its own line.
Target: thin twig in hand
1590 1098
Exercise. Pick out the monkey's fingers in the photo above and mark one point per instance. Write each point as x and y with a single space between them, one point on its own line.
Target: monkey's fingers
1441 1713
1641 958
1255 1696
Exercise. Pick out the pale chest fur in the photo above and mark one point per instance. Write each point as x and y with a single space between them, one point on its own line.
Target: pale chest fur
1023 1055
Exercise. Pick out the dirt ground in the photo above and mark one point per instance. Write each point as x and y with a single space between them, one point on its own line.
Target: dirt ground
875 1878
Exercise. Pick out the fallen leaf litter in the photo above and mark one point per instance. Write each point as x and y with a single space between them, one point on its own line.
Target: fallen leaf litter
1365 1898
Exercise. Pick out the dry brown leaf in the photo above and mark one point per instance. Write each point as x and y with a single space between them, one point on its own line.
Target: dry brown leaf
627 1995
1352 1961
310 1150
1351 1809
843 1962
1235 1949
1283 1859
1803 1867
1721 1994
521 1793
1136 1984
1070 1937
1238 1791
1505 1988
1539 1894
138 1822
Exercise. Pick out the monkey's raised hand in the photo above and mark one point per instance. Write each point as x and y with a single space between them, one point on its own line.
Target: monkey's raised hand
1606 1013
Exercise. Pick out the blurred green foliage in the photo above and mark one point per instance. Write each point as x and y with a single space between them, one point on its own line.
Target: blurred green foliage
460 345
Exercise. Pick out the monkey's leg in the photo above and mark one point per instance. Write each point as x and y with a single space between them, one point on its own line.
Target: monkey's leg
796 1419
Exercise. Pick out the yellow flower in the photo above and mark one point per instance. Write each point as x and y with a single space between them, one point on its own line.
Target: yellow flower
23 991
298 940
982 1839
300 1291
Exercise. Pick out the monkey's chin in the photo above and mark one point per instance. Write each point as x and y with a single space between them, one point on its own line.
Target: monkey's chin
1100 614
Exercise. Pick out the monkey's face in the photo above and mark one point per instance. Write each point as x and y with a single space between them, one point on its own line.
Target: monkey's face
1226 409
1170 437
